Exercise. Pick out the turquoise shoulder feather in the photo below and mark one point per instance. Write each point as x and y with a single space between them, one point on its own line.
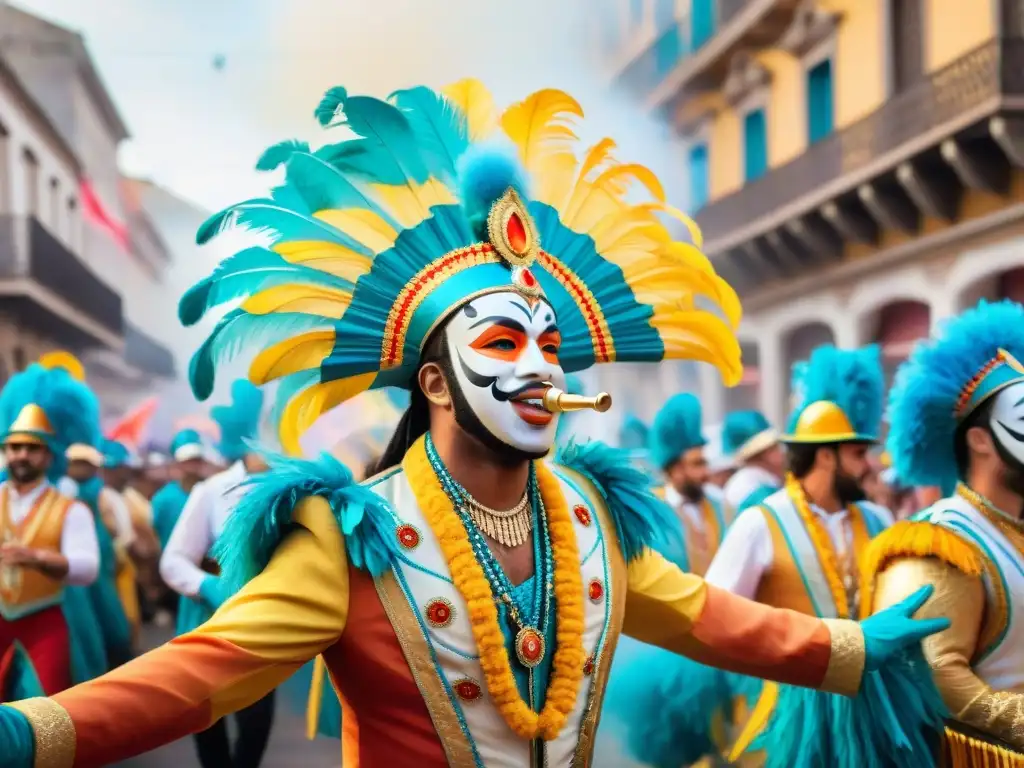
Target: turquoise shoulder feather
264 516
642 520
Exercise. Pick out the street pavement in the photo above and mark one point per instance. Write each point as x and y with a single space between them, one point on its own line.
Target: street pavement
288 746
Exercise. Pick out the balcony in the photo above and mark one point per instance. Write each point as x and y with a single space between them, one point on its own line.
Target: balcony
962 127
47 286
147 354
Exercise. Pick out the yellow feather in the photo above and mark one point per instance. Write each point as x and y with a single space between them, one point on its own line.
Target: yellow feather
690 224
331 258
540 125
308 299
600 203
477 104
594 201
300 353
410 203
308 405
555 180
365 226
628 218
701 336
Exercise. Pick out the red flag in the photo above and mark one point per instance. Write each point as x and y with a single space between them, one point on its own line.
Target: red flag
132 426
96 213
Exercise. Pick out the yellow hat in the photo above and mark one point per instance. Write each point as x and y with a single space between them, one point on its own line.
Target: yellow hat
86 453
824 422
31 426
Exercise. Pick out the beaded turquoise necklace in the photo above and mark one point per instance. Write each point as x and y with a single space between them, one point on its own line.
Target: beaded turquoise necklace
531 620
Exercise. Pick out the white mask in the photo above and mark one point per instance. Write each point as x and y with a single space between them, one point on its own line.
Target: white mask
1007 421
502 345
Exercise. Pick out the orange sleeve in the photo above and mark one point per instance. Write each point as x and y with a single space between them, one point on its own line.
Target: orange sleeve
680 612
287 615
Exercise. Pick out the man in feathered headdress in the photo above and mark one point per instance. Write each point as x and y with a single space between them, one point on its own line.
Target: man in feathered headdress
189 567
47 541
754 445
957 422
468 600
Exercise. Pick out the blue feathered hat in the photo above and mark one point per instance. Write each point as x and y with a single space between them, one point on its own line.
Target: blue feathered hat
239 421
746 434
971 358
436 198
186 445
841 395
676 429
50 406
115 453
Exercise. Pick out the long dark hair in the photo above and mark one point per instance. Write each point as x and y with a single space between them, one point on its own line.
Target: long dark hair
416 420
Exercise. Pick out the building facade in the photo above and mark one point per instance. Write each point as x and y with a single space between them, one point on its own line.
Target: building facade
117 253
855 165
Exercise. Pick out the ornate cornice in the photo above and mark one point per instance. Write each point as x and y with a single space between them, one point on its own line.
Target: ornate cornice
811 25
746 76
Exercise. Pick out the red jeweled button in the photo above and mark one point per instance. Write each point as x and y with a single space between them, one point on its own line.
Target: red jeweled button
528 279
529 647
408 536
582 514
467 690
439 613
595 590
588 666
516 231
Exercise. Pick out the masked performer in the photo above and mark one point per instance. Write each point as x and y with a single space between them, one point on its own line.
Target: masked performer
47 541
468 599
188 567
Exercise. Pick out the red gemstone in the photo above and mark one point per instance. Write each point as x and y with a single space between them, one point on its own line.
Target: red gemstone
530 646
528 279
408 536
439 613
516 231
467 690
588 665
595 590
582 514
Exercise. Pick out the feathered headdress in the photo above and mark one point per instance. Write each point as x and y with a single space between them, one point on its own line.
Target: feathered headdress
746 434
239 421
51 406
435 199
841 396
675 430
973 356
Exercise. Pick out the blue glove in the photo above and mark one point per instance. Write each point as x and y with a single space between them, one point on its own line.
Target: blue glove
890 632
17 744
213 593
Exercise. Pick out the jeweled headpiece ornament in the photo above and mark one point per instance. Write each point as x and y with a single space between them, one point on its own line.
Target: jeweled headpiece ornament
841 396
434 200
973 356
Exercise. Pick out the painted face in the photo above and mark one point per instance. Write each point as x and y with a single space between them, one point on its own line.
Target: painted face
503 349
1008 420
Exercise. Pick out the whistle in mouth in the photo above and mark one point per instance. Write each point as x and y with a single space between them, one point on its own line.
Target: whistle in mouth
557 401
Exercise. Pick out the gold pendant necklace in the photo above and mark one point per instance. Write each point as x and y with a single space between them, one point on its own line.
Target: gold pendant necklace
508 527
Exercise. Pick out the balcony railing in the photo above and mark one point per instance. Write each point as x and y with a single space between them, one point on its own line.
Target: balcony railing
147 354
29 251
950 100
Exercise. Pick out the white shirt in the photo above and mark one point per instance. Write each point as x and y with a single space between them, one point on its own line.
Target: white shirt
747 551
77 539
201 523
745 481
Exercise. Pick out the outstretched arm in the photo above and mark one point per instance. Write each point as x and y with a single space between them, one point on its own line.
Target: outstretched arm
682 613
287 615
961 597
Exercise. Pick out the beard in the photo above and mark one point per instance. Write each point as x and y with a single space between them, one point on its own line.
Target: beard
693 492
470 423
24 472
1011 477
848 488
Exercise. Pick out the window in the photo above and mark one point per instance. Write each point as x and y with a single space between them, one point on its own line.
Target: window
755 145
18 356
702 22
698 162
819 101
667 51
55 205
31 166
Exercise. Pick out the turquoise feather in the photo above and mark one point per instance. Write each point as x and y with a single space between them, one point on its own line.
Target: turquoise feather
642 520
237 329
327 109
486 172
264 516
246 273
390 142
287 388
239 420
440 128
279 154
322 185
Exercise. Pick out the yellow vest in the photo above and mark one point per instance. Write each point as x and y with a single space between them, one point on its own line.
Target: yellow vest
24 591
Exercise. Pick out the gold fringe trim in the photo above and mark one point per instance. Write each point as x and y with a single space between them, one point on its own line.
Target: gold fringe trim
962 751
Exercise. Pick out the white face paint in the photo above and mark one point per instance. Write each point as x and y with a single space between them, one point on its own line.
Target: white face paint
1008 420
503 346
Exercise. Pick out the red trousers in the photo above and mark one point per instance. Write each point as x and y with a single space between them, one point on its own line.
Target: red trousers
45 637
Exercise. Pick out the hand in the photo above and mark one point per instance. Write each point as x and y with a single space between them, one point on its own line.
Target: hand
18 555
890 632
